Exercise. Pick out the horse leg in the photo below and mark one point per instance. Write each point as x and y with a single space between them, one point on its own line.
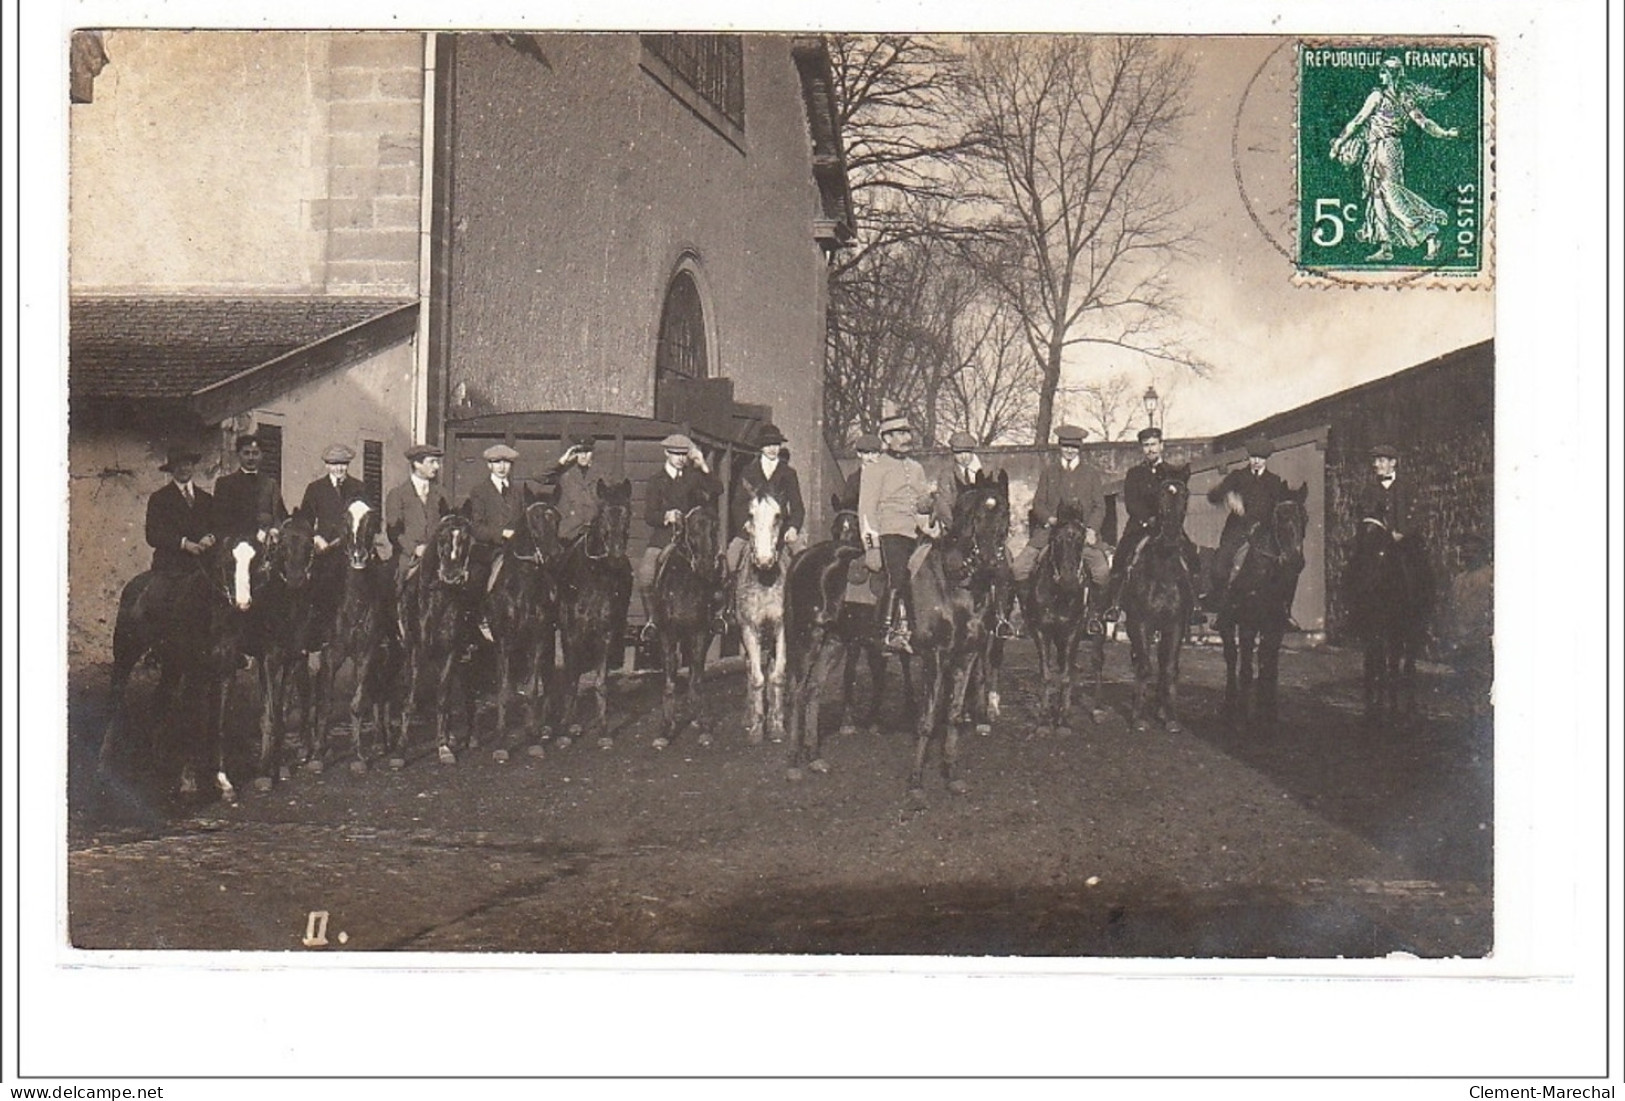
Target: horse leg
990 679
1234 703
668 689
268 675
1097 666
823 663
849 677
775 686
1249 647
358 701
1269 672
964 672
1168 677
442 700
600 692
1046 676
1140 655
925 724
216 733
755 688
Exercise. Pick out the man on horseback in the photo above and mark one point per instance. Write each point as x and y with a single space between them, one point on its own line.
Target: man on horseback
773 473
411 511
893 507
966 470
684 482
247 504
1389 500
1142 491
570 482
1251 496
1067 482
495 508
326 502
180 530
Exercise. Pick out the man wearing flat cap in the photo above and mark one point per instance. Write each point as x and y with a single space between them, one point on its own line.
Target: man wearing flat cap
684 482
180 531
1250 495
1387 497
495 508
893 509
412 510
325 504
770 471
571 490
1067 484
1142 493
248 503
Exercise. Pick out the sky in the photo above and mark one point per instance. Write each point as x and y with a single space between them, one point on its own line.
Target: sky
1273 345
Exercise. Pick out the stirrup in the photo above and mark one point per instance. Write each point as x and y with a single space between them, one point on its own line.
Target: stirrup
720 622
485 631
647 634
897 640
1093 625
1004 629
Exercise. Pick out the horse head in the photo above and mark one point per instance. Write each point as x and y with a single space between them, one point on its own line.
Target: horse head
1173 499
293 545
981 520
235 573
765 528
1066 564
450 548
845 529
542 529
1288 524
361 527
606 537
698 535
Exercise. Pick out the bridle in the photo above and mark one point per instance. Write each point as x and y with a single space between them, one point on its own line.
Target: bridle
1075 530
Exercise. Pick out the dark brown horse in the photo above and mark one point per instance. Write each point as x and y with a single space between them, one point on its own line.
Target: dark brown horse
439 598
682 600
1389 589
364 638
595 587
522 609
955 610
1057 600
815 613
281 641
1158 594
1259 606
862 636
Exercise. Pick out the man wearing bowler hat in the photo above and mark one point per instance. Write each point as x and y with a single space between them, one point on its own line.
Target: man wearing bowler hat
248 503
772 472
685 481
570 482
1387 497
411 512
325 503
1068 483
1250 495
180 531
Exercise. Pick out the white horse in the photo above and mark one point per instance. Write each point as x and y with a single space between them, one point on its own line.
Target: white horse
759 604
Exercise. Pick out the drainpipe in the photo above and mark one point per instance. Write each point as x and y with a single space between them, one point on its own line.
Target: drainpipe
420 361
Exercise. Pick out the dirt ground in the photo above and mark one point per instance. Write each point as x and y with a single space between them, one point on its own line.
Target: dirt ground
1321 837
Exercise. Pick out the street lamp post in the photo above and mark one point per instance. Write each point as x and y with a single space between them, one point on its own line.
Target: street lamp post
1151 403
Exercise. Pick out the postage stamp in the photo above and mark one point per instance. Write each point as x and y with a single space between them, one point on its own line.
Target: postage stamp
1394 165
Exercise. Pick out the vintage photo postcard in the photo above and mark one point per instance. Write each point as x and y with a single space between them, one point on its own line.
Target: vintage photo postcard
605 507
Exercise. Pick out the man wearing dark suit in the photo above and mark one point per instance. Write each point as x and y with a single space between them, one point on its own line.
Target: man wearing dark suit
1386 496
413 509
1142 492
1251 495
248 503
495 507
326 502
180 531
684 482
571 485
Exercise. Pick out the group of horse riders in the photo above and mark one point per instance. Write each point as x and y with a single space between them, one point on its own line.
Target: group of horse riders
895 501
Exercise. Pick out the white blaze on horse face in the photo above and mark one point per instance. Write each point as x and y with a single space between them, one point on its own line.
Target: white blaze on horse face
242 554
765 514
357 510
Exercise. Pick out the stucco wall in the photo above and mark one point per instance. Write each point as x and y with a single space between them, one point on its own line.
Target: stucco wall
249 161
578 185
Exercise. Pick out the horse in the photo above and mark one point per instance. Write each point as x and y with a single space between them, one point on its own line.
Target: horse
815 613
682 598
281 639
955 610
1057 600
1158 594
1260 605
438 597
595 587
861 635
364 636
522 610
759 605
1389 586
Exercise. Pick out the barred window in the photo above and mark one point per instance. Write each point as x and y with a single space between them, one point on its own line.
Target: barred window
372 472
681 351
713 65
270 437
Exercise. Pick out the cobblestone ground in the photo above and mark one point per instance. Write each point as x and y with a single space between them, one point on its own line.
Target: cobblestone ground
1322 836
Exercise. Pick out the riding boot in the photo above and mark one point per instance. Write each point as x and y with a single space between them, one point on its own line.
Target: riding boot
1114 592
897 629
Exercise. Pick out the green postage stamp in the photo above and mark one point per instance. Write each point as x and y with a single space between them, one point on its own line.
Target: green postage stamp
1394 165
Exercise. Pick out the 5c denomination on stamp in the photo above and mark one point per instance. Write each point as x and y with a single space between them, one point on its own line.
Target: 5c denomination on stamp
1393 162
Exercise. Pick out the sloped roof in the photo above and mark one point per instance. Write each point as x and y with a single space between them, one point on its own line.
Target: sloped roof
811 54
199 351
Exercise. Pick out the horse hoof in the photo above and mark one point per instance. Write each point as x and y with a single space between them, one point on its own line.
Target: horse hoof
500 756
313 765
847 730
660 743
397 763
993 705
916 795
958 787
1173 726
262 784
446 756
574 731
984 729
284 774
358 767
536 751
1063 730
754 737
606 742
1098 716
564 742
705 739
473 742
546 733
1043 730
1142 725
794 775
820 765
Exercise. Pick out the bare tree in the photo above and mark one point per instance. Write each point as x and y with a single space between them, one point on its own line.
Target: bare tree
1107 407
1070 135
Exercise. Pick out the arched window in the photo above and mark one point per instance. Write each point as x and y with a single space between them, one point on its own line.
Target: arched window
681 352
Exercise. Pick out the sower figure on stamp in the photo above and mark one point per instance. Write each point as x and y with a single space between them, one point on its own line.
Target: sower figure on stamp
684 482
180 530
326 502
411 511
968 469
1142 487
1068 483
247 504
893 508
1250 495
771 472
